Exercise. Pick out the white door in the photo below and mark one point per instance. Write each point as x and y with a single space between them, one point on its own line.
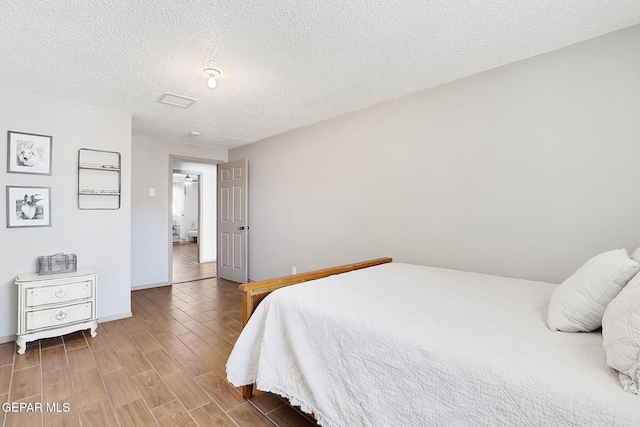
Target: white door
232 221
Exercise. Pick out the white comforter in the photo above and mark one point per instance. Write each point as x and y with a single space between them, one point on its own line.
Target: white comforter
407 345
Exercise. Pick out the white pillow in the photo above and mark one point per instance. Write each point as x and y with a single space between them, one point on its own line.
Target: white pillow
577 305
636 255
621 335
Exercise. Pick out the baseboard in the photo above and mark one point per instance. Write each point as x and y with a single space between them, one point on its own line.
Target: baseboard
149 286
209 260
115 317
8 338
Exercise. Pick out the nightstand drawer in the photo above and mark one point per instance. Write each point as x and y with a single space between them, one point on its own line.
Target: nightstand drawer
57 294
59 316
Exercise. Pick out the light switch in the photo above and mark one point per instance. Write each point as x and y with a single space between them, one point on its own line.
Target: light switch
152 192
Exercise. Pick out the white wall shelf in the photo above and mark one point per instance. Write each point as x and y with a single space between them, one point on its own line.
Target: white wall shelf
99 181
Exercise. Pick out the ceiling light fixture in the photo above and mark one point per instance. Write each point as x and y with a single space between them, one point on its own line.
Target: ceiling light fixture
188 178
212 72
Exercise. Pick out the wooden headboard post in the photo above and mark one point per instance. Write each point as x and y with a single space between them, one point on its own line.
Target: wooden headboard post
253 293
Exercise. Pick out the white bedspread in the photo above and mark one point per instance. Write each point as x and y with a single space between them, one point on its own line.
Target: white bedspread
407 345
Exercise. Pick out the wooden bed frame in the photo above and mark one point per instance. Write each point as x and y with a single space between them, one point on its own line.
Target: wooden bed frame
255 292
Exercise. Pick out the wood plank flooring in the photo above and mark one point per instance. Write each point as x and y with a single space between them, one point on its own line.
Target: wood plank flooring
164 366
185 264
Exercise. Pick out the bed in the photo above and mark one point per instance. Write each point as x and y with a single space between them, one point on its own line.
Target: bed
192 236
385 344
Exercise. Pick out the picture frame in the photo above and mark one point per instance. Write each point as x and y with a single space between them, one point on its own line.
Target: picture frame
29 153
28 206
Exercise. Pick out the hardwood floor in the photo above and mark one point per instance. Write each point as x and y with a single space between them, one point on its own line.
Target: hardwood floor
185 264
164 366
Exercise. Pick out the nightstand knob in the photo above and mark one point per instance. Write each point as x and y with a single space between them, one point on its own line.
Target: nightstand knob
61 316
61 293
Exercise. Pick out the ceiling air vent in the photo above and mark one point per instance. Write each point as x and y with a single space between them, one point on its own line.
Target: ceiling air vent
176 100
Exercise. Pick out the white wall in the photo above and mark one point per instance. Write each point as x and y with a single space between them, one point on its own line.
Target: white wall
101 239
526 170
151 216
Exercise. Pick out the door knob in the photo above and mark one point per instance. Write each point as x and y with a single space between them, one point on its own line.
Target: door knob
243 227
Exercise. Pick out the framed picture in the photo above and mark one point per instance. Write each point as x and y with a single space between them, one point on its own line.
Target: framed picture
29 153
28 206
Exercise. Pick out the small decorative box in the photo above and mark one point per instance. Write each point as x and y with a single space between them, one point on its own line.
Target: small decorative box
57 263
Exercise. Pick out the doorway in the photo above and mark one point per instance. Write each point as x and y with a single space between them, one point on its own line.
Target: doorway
192 224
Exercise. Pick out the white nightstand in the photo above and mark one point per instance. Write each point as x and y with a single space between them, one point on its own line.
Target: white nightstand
54 305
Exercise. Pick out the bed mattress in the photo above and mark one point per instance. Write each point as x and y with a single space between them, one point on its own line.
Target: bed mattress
407 345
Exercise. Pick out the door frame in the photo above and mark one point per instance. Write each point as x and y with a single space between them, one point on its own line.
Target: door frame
169 231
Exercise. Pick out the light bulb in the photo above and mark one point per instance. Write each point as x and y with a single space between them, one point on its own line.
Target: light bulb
212 73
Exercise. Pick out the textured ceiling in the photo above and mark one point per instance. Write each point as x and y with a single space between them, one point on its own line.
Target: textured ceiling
284 63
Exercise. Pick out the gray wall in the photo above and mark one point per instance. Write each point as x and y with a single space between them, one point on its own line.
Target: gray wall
525 170
151 216
101 239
